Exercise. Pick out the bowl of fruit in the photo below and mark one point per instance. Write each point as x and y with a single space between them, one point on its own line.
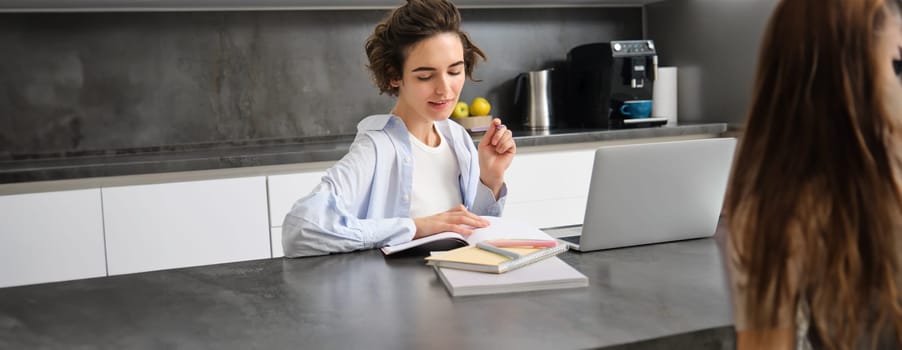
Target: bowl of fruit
475 116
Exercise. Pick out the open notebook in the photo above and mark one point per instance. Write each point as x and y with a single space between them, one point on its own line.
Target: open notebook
500 228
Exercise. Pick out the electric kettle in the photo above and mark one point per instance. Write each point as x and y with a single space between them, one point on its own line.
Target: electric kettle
532 99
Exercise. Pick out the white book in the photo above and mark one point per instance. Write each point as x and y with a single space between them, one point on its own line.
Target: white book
551 273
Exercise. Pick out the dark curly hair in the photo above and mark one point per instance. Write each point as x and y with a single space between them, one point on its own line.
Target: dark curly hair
407 25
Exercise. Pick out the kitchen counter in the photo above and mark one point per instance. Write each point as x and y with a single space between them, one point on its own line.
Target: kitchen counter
154 160
669 295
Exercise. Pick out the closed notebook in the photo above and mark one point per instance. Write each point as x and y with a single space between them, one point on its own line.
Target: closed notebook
473 258
551 273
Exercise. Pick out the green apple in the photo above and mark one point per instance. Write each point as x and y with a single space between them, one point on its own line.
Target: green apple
461 110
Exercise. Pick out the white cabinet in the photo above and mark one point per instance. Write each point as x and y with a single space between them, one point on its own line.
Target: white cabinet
64 235
276 237
163 226
284 190
549 189
52 236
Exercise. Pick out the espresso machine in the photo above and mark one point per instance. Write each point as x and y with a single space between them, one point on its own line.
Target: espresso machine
609 85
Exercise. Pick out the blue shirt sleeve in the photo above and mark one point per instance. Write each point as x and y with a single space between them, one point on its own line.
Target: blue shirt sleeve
485 203
333 218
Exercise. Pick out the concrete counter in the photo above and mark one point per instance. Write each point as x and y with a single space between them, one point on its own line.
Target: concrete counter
669 295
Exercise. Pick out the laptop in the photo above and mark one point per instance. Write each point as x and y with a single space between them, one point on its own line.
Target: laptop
652 193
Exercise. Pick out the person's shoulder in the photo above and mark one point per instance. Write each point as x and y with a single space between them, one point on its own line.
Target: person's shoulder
375 122
379 130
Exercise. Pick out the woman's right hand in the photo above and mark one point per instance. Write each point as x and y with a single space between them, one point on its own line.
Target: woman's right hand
457 219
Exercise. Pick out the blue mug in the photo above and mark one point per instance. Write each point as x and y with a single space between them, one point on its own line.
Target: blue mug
636 109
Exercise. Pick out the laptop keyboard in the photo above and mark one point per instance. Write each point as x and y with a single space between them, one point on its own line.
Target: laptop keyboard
565 231
571 239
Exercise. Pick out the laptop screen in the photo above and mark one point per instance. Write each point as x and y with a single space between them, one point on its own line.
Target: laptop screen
656 192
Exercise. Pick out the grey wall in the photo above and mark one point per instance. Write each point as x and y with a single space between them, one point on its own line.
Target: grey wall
73 83
715 45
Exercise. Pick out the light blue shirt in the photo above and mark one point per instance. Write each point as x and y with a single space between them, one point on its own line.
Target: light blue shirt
363 201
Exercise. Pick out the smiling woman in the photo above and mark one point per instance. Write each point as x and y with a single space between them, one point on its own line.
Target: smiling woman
435 77
411 173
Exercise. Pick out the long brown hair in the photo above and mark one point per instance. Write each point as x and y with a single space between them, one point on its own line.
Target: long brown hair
815 175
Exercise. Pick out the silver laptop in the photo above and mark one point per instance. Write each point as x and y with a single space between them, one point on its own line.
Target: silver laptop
652 193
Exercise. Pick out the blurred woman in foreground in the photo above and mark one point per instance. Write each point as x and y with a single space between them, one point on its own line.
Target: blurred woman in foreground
814 203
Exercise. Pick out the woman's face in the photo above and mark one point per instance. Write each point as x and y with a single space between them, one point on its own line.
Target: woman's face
431 79
890 51
891 38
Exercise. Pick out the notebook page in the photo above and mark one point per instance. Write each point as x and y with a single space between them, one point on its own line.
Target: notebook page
506 228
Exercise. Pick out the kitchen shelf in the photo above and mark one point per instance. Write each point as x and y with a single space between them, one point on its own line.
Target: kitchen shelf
14 6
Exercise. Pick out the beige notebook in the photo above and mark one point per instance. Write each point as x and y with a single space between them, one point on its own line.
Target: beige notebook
473 258
551 273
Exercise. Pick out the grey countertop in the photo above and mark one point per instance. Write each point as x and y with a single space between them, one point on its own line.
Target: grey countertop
168 159
660 296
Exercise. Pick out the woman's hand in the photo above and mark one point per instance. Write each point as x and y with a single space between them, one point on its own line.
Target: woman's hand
496 152
457 219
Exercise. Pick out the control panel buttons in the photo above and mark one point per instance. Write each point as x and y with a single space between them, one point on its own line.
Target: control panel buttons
633 48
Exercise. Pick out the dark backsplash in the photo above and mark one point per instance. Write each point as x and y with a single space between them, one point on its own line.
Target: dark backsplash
110 83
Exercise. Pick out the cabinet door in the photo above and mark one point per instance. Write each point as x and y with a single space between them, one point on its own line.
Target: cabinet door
49 237
163 226
284 190
276 239
549 189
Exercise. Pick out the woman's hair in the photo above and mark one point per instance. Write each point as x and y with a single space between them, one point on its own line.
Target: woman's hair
815 175
388 46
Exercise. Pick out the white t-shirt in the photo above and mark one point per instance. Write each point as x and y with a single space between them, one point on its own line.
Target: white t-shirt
436 178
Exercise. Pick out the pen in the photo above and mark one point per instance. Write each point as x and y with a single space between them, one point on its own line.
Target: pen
496 250
485 128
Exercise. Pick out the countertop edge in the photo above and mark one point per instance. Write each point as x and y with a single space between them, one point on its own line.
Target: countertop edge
45 176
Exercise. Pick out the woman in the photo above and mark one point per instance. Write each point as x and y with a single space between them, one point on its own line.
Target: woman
411 173
814 204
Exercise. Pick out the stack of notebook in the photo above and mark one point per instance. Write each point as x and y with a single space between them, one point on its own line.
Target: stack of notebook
507 256
491 258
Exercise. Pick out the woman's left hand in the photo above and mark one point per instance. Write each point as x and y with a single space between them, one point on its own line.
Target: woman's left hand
496 152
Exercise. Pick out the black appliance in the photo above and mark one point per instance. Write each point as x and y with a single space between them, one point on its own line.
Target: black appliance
603 77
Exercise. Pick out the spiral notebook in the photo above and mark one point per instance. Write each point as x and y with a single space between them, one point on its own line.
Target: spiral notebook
473 258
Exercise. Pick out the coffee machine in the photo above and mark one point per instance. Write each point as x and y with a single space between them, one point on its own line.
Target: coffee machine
609 85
